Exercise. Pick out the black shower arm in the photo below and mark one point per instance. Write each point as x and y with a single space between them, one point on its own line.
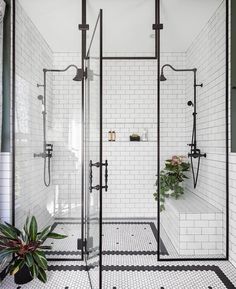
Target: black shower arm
60 70
178 70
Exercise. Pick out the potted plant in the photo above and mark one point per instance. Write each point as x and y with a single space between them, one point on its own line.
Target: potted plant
171 179
29 260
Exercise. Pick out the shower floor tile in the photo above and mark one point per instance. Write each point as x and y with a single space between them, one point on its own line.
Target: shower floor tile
130 261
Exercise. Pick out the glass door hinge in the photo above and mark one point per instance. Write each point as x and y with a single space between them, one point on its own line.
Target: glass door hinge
157 26
84 27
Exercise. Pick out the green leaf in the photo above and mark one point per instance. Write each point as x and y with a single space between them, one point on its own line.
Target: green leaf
40 259
18 232
8 232
18 264
56 236
34 270
42 275
7 252
29 260
33 229
43 235
26 226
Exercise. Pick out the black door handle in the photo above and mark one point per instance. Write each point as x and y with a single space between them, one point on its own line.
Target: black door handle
91 187
97 165
106 175
233 87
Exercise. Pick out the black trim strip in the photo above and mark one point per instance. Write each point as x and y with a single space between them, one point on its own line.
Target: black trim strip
220 274
129 253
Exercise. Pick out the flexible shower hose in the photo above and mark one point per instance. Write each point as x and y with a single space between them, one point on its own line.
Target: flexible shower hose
195 176
47 182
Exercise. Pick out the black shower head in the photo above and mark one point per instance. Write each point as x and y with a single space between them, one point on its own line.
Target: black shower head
162 77
190 103
79 75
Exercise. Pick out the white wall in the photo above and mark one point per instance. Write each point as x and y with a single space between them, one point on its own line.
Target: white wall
130 106
66 136
32 55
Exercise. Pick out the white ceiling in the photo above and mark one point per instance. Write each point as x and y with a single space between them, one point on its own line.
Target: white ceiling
127 23
183 20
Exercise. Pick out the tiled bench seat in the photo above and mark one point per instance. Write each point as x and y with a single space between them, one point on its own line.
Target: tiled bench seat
193 225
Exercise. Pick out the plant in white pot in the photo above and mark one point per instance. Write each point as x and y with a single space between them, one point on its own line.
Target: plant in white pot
29 260
172 178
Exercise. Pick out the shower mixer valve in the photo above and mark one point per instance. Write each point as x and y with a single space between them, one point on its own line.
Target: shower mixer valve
49 150
47 153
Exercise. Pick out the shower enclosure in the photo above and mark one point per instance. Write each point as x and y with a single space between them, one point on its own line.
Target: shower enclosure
160 188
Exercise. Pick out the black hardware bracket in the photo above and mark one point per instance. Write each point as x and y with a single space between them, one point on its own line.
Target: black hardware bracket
81 244
157 26
84 27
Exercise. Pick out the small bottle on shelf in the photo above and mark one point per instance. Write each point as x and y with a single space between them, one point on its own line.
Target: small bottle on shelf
110 135
113 135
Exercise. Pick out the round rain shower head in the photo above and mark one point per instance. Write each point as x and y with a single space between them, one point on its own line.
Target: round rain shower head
162 77
190 103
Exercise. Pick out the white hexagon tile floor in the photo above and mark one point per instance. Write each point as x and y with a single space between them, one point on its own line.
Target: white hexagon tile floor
130 262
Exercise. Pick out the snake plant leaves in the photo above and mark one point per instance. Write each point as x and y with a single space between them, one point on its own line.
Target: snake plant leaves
42 275
40 259
56 236
8 232
33 229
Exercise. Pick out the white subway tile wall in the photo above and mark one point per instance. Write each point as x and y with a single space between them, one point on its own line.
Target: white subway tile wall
5 187
130 106
32 55
66 136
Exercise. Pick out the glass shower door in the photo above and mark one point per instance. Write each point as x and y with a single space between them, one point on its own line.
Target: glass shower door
93 155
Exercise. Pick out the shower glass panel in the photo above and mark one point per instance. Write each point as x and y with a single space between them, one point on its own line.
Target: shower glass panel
93 154
193 185
121 40
48 121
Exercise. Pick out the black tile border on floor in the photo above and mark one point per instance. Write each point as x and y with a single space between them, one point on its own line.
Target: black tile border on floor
166 268
164 251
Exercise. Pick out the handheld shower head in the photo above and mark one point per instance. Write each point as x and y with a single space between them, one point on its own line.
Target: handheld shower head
41 98
190 103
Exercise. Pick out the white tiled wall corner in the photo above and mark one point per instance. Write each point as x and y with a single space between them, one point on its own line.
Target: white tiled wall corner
32 55
207 54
